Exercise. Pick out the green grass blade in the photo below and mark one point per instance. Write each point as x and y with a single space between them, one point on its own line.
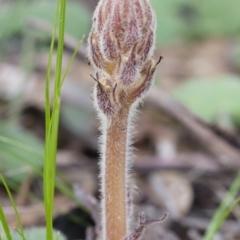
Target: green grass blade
14 207
52 129
48 74
60 50
18 232
220 215
229 210
71 59
3 220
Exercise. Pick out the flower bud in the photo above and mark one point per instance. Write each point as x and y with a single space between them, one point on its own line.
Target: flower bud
120 47
122 38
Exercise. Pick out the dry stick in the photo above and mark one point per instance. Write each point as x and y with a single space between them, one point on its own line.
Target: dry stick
226 155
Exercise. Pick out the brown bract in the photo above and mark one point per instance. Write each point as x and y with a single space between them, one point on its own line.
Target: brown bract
121 45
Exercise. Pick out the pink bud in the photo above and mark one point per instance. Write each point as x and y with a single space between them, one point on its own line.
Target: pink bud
122 38
120 47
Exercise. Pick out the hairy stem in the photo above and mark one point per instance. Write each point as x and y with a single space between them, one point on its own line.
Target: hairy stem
114 173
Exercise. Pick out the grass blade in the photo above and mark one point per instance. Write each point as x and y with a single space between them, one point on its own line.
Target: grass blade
5 224
220 215
48 74
52 123
14 207
71 59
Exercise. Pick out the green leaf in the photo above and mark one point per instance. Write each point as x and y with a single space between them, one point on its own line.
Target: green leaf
20 152
181 20
224 209
211 97
170 28
35 234
218 18
13 18
52 120
3 222
76 118
20 230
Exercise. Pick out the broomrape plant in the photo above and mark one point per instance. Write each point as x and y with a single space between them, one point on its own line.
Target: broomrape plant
120 48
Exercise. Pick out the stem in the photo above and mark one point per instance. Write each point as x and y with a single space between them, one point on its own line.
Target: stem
114 174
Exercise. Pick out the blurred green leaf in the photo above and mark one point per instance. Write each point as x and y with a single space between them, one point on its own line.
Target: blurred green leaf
190 19
169 27
208 98
76 119
15 162
35 234
20 227
235 57
4 225
218 18
13 18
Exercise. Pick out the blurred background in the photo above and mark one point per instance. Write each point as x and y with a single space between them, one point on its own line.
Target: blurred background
187 132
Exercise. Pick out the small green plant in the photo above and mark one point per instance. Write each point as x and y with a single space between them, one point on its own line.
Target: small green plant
51 137
33 234
227 205
3 218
